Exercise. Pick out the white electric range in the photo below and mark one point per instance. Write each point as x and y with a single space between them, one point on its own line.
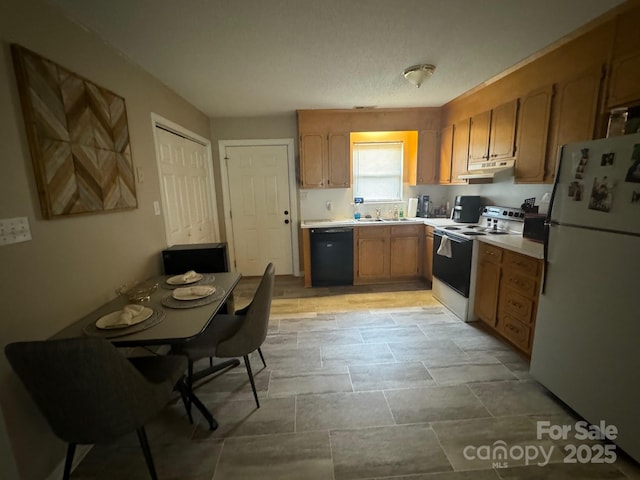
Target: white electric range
455 253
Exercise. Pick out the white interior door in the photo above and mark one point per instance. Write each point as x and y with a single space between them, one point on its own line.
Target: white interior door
187 189
258 179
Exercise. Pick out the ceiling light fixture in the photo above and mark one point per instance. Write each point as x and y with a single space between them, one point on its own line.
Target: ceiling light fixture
418 74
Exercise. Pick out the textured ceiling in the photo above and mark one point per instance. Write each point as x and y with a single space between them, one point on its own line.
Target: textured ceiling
262 57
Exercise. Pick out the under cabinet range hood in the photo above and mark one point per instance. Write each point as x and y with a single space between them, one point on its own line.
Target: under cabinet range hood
489 170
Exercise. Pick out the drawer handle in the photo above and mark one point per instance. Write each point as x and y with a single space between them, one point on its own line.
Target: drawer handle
512 328
515 304
489 253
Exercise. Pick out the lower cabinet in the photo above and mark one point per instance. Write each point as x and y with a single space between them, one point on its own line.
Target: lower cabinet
427 267
387 253
507 288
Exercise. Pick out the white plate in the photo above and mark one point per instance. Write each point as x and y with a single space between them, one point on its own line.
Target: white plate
177 279
179 294
104 322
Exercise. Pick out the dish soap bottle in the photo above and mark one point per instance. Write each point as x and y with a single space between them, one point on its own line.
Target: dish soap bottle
401 214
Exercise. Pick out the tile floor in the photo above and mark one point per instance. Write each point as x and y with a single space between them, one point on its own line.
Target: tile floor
361 383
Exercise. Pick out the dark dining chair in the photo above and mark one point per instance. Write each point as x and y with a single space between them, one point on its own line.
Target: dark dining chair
236 335
90 393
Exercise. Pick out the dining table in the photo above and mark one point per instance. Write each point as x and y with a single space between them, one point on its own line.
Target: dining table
171 322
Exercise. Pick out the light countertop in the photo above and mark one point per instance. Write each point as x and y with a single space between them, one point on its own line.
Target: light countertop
514 242
359 223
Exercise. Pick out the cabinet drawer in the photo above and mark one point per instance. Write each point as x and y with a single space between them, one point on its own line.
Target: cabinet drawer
515 331
516 305
370 232
489 253
521 263
405 230
521 283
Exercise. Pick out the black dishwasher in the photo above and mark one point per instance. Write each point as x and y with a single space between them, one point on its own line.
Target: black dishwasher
331 256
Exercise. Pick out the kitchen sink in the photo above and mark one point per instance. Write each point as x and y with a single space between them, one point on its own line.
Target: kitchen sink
370 220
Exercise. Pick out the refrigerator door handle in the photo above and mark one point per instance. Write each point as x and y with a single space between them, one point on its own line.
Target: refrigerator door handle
548 222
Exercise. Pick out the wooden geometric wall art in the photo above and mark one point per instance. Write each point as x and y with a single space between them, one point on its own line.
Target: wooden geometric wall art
79 139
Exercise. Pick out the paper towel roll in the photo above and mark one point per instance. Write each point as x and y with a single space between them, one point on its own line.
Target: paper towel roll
412 208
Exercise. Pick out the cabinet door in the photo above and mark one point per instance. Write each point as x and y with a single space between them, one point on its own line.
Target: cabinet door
427 147
373 258
405 254
339 171
312 160
446 149
573 114
624 86
487 285
502 139
479 137
533 130
460 153
428 253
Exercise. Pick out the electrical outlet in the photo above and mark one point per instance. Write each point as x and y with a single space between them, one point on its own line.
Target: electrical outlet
14 230
156 207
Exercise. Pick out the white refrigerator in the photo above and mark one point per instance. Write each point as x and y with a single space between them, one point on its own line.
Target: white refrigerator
586 348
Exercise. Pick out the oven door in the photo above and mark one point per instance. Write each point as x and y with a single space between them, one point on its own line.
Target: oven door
454 271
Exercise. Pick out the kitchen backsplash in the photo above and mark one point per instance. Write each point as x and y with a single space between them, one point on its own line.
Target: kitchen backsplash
337 203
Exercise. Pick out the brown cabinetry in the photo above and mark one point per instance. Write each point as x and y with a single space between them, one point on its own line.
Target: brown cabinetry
427 151
624 85
488 282
445 155
492 135
507 288
427 268
574 111
387 253
373 253
325 160
460 150
533 130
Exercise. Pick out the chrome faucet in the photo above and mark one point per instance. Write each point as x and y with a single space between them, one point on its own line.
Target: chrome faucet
378 213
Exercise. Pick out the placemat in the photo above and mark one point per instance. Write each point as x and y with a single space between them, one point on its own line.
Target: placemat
207 279
93 331
171 302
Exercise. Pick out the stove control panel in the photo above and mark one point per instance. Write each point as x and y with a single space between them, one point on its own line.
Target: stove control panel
503 213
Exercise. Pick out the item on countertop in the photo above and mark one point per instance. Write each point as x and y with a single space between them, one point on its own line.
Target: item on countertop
128 316
138 292
188 277
529 205
193 293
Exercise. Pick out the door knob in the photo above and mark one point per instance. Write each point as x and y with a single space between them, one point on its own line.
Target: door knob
286 221
286 212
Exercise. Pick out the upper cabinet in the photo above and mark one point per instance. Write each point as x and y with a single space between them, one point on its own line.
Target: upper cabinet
624 85
533 129
325 143
427 155
493 134
445 156
460 150
324 150
624 81
324 160
574 113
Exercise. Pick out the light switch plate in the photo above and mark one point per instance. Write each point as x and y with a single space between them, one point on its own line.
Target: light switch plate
14 230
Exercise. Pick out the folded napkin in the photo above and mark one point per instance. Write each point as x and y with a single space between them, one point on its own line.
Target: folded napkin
125 318
445 247
188 276
196 291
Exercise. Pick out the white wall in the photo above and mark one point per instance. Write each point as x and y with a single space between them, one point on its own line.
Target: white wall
72 265
504 193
